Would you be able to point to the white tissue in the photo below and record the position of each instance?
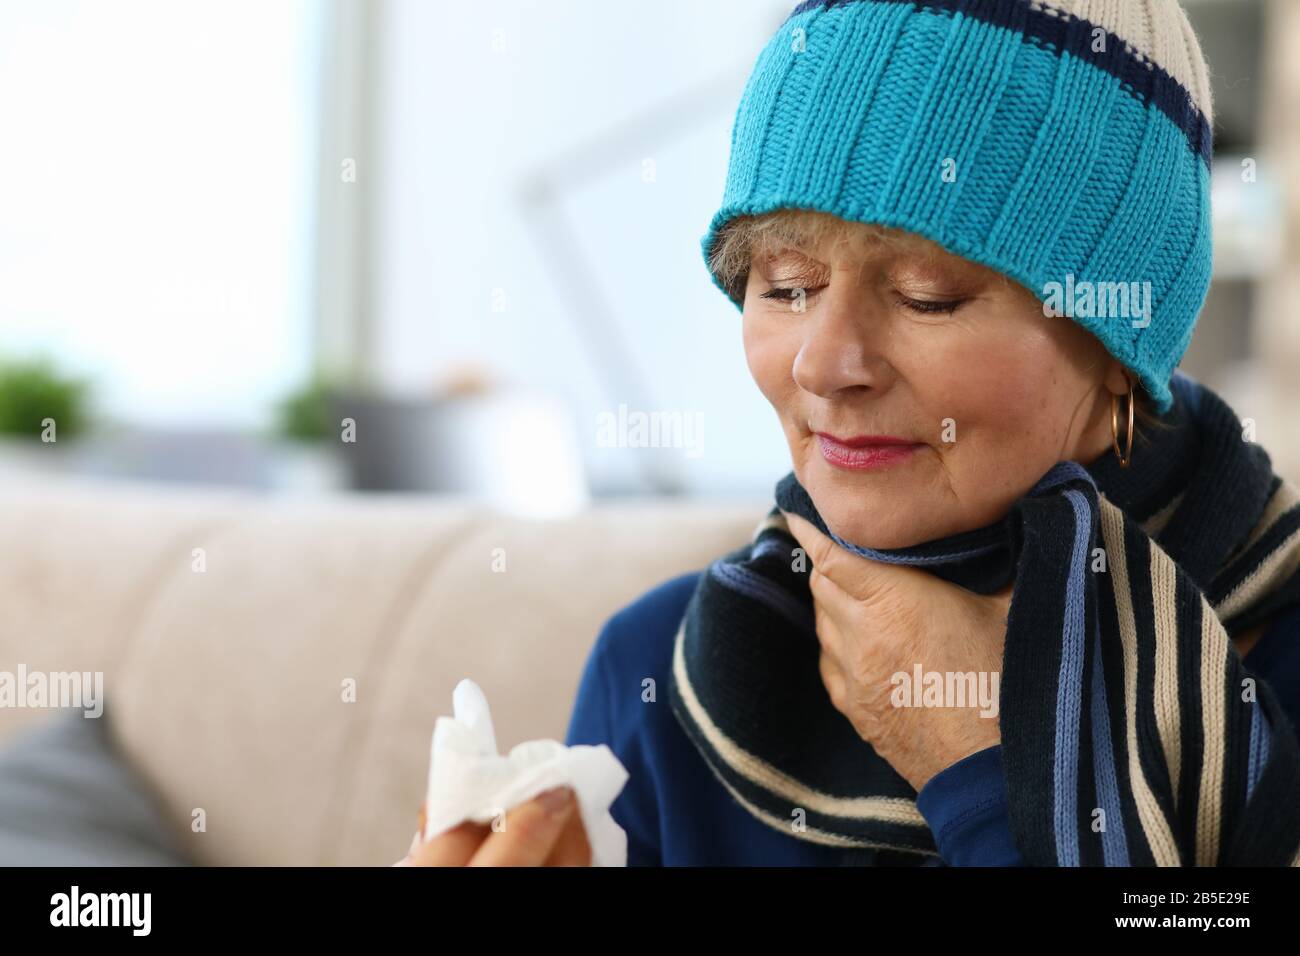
(469, 780)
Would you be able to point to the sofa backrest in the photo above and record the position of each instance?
(230, 628)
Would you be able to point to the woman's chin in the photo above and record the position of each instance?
(883, 524)
(870, 510)
(877, 537)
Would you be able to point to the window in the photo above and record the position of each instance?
(158, 178)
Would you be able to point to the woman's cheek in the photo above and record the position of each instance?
(770, 356)
(960, 386)
(987, 418)
(1009, 380)
(1009, 442)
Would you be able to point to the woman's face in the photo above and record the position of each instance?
(960, 391)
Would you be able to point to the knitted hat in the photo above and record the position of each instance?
(1066, 145)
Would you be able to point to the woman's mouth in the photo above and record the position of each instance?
(865, 452)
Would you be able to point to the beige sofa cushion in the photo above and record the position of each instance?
(225, 687)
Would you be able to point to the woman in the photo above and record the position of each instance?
(985, 623)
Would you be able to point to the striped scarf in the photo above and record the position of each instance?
(1132, 733)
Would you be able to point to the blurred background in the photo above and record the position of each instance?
(320, 246)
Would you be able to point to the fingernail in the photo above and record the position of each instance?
(556, 800)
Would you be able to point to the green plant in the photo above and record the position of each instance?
(32, 390)
(305, 414)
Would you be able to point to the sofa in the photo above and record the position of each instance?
(273, 666)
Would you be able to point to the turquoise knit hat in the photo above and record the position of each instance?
(1066, 145)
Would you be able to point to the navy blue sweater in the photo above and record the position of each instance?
(677, 813)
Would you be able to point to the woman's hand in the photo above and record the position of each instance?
(545, 831)
(876, 622)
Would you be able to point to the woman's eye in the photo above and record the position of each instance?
(927, 307)
(788, 294)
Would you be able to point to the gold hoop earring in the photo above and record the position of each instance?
(1127, 455)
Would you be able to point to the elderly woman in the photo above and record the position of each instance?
(1028, 596)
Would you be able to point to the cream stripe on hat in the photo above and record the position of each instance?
(1158, 30)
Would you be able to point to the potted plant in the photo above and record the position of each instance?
(305, 456)
(43, 413)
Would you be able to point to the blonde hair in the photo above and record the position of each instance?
(745, 237)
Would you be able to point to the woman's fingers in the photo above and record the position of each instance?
(828, 610)
(455, 847)
(573, 848)
(859, 578)
(531, 831)
(832, 679)
(545, 831)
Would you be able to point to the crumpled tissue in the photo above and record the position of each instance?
(470, 780)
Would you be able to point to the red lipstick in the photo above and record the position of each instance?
(864, 452)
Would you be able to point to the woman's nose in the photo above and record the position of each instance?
(843, 347)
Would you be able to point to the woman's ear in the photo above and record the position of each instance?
(1118, 379)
